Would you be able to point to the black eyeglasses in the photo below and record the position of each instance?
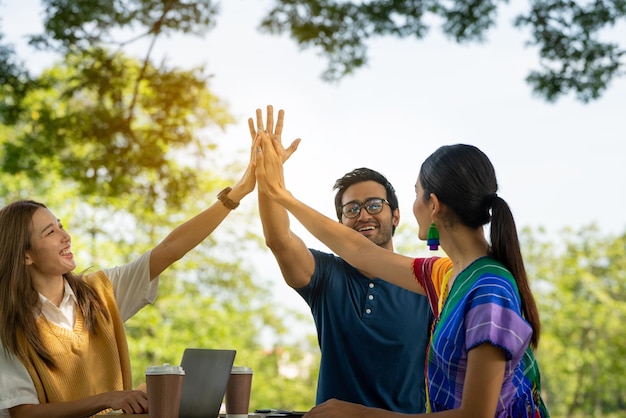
(372, 206)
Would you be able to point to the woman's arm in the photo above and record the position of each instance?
(129, 401)
(481, 390)
(191, 233)
(483, 381)
(353, 247)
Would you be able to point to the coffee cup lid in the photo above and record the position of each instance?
(241, 370)
(166, 368)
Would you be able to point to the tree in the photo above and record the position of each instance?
(574, 55)
(110, 123)
(118, 148)
(580, 287)
(212, 298)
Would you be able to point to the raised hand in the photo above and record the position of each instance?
(274, 132)
(248, 180)
(269, 165)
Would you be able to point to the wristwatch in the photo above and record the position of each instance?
(223, 197)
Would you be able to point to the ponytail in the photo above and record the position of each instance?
(505, 248)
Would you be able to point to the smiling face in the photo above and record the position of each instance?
(378, 228)
(50, 252)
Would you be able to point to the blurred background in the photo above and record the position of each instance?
(128, 117)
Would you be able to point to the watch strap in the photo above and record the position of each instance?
(223, 197)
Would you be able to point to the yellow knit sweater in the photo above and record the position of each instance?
(87, 363)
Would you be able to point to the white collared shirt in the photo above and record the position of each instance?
(133, 290)
(65, 314)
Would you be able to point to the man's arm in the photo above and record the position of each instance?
(356, 249)
(294, 258)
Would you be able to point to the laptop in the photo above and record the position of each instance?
(206, 375)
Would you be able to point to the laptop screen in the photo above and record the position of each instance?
(206, 375)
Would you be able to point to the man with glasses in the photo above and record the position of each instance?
(372, 334)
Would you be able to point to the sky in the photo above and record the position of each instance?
(558, 165)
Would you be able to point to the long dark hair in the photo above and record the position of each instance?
(464, 180)
(19, 301)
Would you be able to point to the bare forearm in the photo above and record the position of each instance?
(191, 233)
(346, 242)
(75, 409)
(52, 410)
(293, 256)
(353, 247)
(275, 220)
(188, 235)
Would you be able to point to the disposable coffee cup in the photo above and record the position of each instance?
(164, 384)
(238, 392)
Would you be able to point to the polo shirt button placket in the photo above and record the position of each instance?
(370, 297)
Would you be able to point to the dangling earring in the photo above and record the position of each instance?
(432, 239)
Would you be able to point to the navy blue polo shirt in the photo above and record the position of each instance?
(372, 335)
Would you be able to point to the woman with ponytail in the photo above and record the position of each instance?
(480, 360)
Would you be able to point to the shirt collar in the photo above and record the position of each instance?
(68, 296)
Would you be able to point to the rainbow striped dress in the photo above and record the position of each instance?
(483, 306)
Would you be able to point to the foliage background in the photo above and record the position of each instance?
(123, 147)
